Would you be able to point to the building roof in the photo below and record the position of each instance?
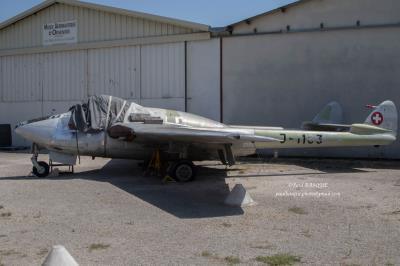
(125, 12)
(279, 9)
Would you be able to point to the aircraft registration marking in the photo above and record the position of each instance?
(303, 139)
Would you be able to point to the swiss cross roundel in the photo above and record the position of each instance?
(377, 118)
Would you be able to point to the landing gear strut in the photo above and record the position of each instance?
(39, 169)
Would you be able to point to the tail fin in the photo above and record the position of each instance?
(384, 116)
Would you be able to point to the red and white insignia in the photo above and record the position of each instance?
(377, 118)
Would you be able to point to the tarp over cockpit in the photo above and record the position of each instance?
(98, 113)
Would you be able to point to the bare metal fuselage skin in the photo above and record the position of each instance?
(55, 135)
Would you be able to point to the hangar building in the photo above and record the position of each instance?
(278, 68)
(61, 51)
(283, 66)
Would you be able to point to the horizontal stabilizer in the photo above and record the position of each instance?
(330, 118)
(364, 129)
(325, 127)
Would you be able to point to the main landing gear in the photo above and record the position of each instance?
(181, 170)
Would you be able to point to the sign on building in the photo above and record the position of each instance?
(60, 32)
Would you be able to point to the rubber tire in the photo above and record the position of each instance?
(177, 165)
(46, 169)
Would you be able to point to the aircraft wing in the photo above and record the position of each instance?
(167, 133)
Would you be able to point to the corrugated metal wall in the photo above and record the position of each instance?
(93, 25)
(64, 75)
(152, 75)
(132, 72)
(44, 82)
(21, 78)
(163, 71)
(43, 77)
(115, 71)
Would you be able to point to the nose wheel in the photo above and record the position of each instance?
(41, 170)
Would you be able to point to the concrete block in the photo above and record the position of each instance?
(239, 197)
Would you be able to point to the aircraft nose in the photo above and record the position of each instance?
(18, 129)
(37, 132)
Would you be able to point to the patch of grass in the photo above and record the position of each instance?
(226, 224)
(42, 252)
(279, 259)
(232, 260)
(98, 246)
(389, 264)
(228, 259)
(306, 233)
(393, 212)
(263, 246)
(8, 252)
(297, 210)
(206, 254)
(5, 214)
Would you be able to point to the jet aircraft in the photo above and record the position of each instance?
(107, 126)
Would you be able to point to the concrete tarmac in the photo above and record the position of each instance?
(317, 212)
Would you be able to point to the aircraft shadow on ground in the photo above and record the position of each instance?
(203, 198)
(199, 199)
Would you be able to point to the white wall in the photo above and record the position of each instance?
(284, 79)
(203, 77)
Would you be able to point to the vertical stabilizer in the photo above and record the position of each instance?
(384, 116)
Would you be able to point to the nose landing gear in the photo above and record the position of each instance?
(39, 169)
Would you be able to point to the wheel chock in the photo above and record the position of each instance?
(168, 179)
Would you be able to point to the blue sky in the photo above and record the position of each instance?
(214, 13)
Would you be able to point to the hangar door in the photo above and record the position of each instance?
(152, 75)
(40, 84)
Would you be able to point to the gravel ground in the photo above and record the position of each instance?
(107, 213)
